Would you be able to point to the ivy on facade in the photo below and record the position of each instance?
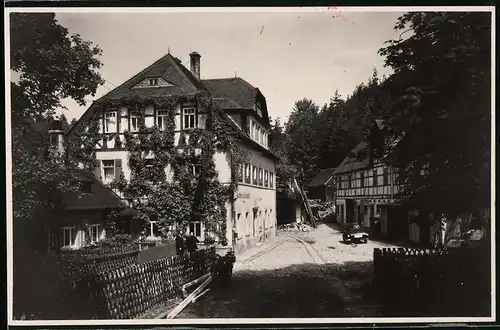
(172, 202)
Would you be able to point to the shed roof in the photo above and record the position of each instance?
(100, 197)
(321, 178)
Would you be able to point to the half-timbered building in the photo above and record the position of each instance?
(367, 191)
(252, 216)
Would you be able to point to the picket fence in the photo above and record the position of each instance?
(84, 265)
(130, 291)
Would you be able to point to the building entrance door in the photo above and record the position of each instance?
(349, 210)
(254, 222)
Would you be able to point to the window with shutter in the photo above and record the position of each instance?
(118, 168)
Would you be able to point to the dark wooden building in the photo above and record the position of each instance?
(322, 186)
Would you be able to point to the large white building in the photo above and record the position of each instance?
(253, 214)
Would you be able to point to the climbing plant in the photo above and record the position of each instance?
(162, 186)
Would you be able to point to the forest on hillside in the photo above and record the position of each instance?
(437, 103)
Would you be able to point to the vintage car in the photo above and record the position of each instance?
(354, 233)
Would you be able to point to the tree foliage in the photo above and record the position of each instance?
(322, 139)
(303, 145)
(441, 89)
(52, 65)
(278, 143)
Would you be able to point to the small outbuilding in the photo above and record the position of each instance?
(322, 186)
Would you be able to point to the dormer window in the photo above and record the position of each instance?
(258, 108)
(153, 82)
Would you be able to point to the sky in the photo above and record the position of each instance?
(287, 55)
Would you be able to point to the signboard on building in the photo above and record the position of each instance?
(245, 195)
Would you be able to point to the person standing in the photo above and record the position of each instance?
(192, 243)
(179, 243)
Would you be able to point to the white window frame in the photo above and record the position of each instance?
(189, 113)
(153, 81)
(72, 236)
(241, 173)
(271, 179)
(109, 117)
(266, 178)
(163, 114)
(194, 223)
(255, 176)
(97, 228)
(253, 128)
(247, 174)
(104, 166)
(135, 117)
(261, 177)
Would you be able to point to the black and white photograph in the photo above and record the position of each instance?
(250, 165)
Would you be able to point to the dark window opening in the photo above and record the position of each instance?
(86, 187)
(53, 140)
(386, 176)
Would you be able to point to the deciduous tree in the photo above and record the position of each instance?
(442, 85)
(52, 65)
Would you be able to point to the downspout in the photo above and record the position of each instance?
(232, 176)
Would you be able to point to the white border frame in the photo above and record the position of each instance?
(338, 10)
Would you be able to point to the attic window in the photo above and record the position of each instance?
(153, 82)
(258, 109)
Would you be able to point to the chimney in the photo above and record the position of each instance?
(56, 137)
(195, 64)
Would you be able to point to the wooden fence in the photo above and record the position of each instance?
(130, 291)
(82, 266)
(420, 282)
(90, 252)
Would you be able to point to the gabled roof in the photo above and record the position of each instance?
(236, 94)
(100, 197)
(237, 89)
(229, 93)
(357, 159)
(321, 178)
(226, 103)
(170, 69)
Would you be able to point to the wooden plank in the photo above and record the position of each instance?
(198, 280)
(189, 299)
(201, 294)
